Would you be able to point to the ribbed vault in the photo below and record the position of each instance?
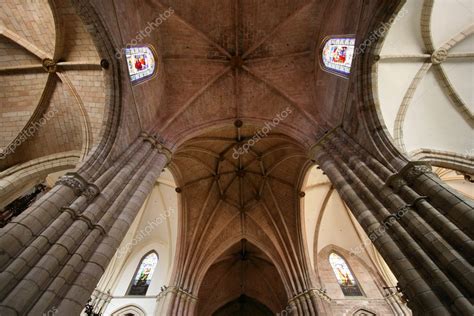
(244, 305)
(242, 275)
(246, 59)
(227, 198)
(49, 69)
(430, 116)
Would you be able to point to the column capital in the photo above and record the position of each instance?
(74, 181)
(157, 142)
(396, 182)
(176, 291)
(91, 192)
(413, 169)
(311, 292)
(321, 141)
(408, 174)
(79, 185)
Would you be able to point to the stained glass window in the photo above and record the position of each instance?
(344, 276)
(141, 63)
(337, 55)
(142, 277)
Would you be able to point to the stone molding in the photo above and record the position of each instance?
(320, 142)
(154, 141)
(91, 192)
(412, 170)
(311, 293)
(175, 290)
(396, 182)
(408, 174)
(463, 163)
(79, 185)
(80, 217)
(74, 181)
(49, 65)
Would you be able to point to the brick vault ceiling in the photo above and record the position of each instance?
(49, 67)
(247, 59)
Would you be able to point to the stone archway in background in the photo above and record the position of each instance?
(129, 311)
(242, 277)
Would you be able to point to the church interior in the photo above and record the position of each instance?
(236, 157)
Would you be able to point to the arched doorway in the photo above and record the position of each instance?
(243, 280)
(244, 305)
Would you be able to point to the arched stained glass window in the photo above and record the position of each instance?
(344, 276)
(141, 63)
(337, 55)
(143, 275)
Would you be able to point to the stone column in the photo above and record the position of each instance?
(309, 302)
(56, 251)
(422, 228)
(417, 179)
(100, 300)
(175, 301)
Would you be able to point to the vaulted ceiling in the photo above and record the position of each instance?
(52, 89)
(228, 197)
(227, 70)
(430, 112)
(246, 59)
(218, 61)
(240, 276)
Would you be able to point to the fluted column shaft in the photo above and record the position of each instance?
(456, 208)
(429, 251)
(70, 191)
(443, 258)
(307, 303)
(61, 261)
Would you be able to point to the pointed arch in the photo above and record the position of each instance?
(344, 275)
(247, 267)
(361, 311)
(129, 310)
(144, 273)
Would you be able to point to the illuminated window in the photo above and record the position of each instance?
(142, 277)
(344, 276)
(141, 63)
(337, 55)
